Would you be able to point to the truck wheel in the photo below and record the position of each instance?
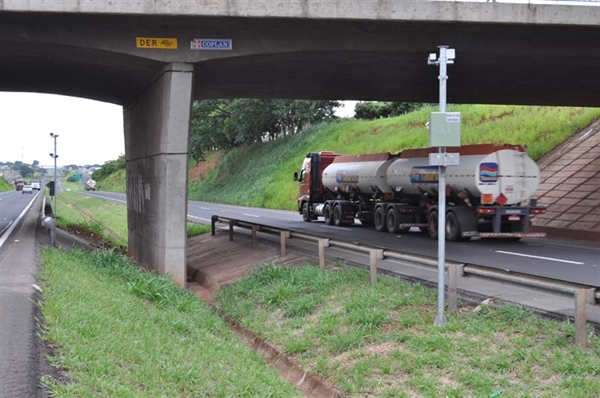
(392, 221)
(327, 214)
(452, 227)
(432, 225)
(337, 216)
(305, 213)
(380, 220)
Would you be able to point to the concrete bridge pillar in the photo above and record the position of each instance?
(157, 124)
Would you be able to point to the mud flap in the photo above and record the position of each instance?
(467, 219)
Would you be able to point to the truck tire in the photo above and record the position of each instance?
(432, 224)
(380, 220)
(327, 214)
(338, 221)
(306, 213)
(392, 221)
(453, 233)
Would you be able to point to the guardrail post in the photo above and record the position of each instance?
(580, 318)
(231, 230)
(254, 229)
(452, 296)
(283, 236)
(374, 256)
(323, 243)
(213, 221)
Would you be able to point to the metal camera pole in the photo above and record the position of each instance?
(446, 57)
(54, 155)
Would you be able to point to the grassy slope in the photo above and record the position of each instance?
(380, 340)
(114, 183)
(122, 332)
(5, 185)
(264, 177)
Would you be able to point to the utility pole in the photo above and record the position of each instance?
(444, 130)
(54, 155)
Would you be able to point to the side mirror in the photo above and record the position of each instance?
(295, 176)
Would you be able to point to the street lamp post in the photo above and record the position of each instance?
(54, 155)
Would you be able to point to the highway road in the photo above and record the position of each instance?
(564, 260)
(12, 205)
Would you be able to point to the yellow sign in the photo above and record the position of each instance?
(163, 43)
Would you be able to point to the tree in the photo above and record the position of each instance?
(35, 164)
(110, 167)
(25, 171)
(376, 110)
(224, 124)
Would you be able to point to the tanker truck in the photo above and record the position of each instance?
(90, 185)
(489, 195)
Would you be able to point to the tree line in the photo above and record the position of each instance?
(226, 123)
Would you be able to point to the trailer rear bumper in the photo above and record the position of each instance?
(512, 234)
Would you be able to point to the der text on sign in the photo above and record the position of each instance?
(163, 43)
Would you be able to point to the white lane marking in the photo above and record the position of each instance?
(250, 215)
(339, 228)
(14, 224)
(539, 257)
(204, 208)
(9, 223)
(199, 218)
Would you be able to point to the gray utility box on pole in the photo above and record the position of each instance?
(444, 129)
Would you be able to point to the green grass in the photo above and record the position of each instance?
(113, 183)
(264, 178)
(105, 217)
(121, 332)
(5, 185)
(380, 340)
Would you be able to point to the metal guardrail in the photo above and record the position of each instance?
(582, 294)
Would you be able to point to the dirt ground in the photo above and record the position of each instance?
(214, 261)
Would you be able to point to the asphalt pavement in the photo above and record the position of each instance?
(22, 352)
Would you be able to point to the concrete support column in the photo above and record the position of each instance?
(157, 126)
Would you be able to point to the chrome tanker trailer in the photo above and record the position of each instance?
(488, 195)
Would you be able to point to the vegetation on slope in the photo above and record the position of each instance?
(119, 331)
(5, 185)
(260, 175)
(380, 340)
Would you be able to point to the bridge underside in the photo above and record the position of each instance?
(277, 58)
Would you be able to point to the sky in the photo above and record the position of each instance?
(89, 132)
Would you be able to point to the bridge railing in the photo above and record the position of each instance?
(583, 294)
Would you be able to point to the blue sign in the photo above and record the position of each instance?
(488, 172)
(211, 44)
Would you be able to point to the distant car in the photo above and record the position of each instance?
(27, 189)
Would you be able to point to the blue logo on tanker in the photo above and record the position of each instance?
(346, 177)
(424, 175)
(488, 172)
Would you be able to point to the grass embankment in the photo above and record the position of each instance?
(261, 175)
(123, 332)
(116, 182)
(380, 341)
(5, 185)
(106, 218)
(119, 331)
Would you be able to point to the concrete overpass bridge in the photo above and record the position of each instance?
(154, 57)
